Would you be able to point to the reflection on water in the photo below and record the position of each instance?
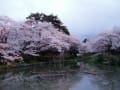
(41, 78)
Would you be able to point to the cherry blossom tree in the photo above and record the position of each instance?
(33, 38)
(105, 42)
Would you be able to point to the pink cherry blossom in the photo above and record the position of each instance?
(31, 37)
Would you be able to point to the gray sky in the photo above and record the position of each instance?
(82, 17)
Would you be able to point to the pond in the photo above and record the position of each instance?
(60, 77)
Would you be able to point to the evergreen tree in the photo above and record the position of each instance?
(57, 23)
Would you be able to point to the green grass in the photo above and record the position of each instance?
(101, 59)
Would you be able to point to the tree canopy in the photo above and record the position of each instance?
(57, 23)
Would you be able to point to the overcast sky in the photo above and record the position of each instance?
(82, 17)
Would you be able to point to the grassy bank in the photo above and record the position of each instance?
(101, 59)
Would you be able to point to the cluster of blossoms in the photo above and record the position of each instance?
(31, 37)
(104, 42)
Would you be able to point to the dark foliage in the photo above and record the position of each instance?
(85, 40)
(57, 23)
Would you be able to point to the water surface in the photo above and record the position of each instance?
(62, 78)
